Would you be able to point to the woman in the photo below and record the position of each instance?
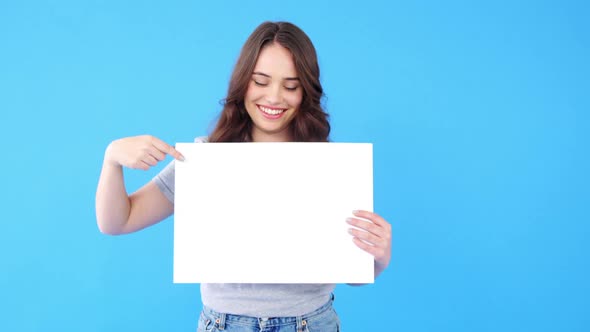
(273, 96)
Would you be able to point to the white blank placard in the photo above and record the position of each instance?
(271, 212)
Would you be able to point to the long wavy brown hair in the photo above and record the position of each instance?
(310, 123)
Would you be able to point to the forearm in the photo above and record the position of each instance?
(378, 269)
(112, 201)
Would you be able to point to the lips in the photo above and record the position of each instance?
(271, 112)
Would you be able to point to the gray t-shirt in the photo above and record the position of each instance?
(256, 300)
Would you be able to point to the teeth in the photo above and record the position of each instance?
(271, 111)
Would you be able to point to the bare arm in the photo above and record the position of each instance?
(118, 213)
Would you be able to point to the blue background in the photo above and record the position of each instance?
(478, 112)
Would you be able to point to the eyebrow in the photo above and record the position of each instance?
(266, 75)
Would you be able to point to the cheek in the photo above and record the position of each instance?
(294, 100)
(252, 94)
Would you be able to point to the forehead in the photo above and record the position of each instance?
(276, 61)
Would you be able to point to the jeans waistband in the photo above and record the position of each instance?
(220, 319)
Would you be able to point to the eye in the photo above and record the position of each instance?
(259, 83)
(291, 88)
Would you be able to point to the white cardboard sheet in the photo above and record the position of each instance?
(271, 212)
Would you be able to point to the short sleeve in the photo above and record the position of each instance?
(165, 179)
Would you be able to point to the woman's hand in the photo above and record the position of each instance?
(139, 152)
(372, 234)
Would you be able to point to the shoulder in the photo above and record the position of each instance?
(202, 139)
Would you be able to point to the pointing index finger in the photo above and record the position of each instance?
(168, 149)
(177, 155)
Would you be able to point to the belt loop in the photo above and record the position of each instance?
(299, 323)
(220, 322)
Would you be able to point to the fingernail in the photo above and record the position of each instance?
(356, 211)
(349, 220)
(181, 158)
(350, 231)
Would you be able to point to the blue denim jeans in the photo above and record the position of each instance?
(324, 319)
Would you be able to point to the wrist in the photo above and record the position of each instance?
(109, 159)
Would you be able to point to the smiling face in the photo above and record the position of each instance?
(274, 95)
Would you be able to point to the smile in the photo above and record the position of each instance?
(271, 113)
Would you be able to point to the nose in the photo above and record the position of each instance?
(274, 96)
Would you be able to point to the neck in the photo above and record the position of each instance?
(283, 136)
